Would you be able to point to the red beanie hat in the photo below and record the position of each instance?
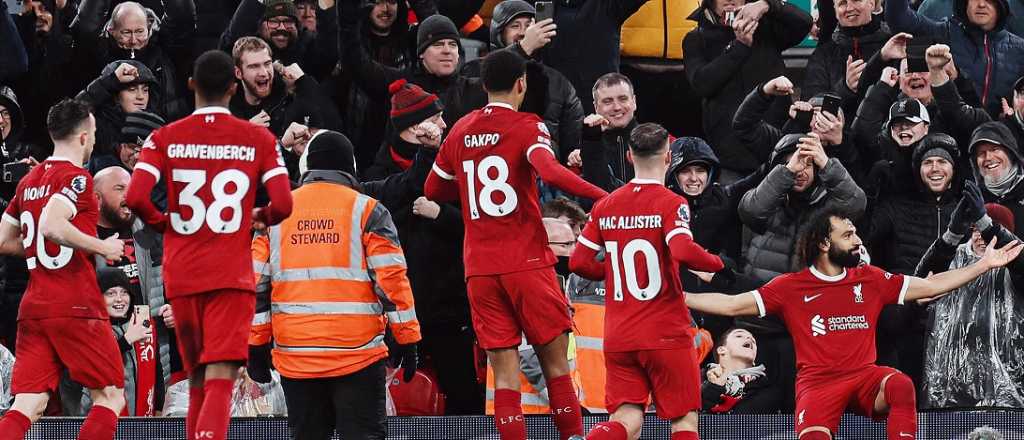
(1001, 214)
(410, 105)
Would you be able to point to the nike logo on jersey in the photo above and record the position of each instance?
(808, 299)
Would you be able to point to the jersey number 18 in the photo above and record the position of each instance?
(490, 185)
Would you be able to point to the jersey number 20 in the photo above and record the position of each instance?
(490, 185)
(222, 200)
(628, 257)
(50, 262)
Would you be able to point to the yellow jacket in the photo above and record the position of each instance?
(657, 29)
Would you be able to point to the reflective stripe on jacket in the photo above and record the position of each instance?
(326, 278)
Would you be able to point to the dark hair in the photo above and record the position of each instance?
(213, 73)
(648, 139)
(500, 70)
(816, 231)
(610, 79)
(720, 342)
(65, 117)
(562, 206)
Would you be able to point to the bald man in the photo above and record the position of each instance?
(111, 185)
(561, 240)
(129, 26)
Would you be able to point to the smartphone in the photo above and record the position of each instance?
(916, 61)
(830, 103)
(803, 118)
(730, 18)
(142, 314)
(14, 171)
(545, 10)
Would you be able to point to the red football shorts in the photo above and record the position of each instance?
(86, 347)
(822, 402)
(670, 375)
(213, 326)
(507, 305)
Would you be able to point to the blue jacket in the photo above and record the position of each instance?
(939, 9)
(993, 60)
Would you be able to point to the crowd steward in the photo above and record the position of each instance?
(909, 117)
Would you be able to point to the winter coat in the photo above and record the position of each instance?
(168, 53)
(604, 157)
(826, 70)
(966, 118)
(760, 396)
(654, 30)
(459, 94)
(940, 9)
(48, 81)
(588, 41)
(1014, 198)
(102, 95)
(315, 53)
(13, 57)
(904, 226)
(722, 70)
(993, 60)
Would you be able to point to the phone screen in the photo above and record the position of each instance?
(545, 10)
(803, 118)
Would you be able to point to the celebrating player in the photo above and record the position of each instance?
(831, 309)
(644, 229)
(62, 322)
(212, 163)
(489, 160)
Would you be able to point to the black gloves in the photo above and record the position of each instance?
(969, 210)
(403, 356)
(259, 363)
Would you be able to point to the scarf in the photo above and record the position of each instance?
(1004, 186)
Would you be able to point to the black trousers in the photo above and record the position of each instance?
(354, 405)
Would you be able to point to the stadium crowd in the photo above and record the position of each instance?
(909, 115)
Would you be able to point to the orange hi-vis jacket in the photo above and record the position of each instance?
(327, 278)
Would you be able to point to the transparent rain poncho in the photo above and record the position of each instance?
(975, 349)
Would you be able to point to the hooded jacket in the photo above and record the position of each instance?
(316, 53)
(722, 70)
(562, 110)
(48, 80)
(999, 133)
(102, 95)
(993, 59)
(168, 53)
(826, 70)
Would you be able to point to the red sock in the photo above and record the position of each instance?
(899, 394)
(195, 405)
(213, 419)
(508, 415)
(685, 435)
(100, 424)
(608, 431)
(14, 425)
(565, 407)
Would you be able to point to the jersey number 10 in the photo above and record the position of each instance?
(628, 257)
(490, 185)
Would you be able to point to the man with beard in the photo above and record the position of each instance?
(997, 161)
(164, 46)
(831, 308)
(110, 186)
(278, 23)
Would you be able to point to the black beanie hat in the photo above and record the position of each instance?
(108, 277)
(433, 28)
(138, 126)
(281, 8)
(330, 150)
(411, 105)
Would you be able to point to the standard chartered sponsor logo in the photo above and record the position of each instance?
(821, 326)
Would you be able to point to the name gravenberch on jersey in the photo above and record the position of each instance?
(213, 152)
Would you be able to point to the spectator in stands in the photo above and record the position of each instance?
(306, 10)
(248, 399)
(837, 63)
(606, 134)
(436, 70)
(561, 240)
(133, 332)
(587, 45)
(940, 9)
(13, 57)
(164, 46)
(985, 51)
(801, 180)
(6, 369)
(49, 47)
(388, 39)
(725, 60)
(276, 96)
(996, 161)
(123, 87)
(891, 145)
(12, 148)
(567, 211)
(974, 355)
(134, 130)
(734, 385)
(513, 26)
(110, 185)
(277, 22)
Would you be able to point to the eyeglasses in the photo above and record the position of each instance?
(138, 33)
(284, 22)
(5, 114)
(562, 243)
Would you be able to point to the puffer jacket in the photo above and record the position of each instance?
(722, 70)
(902, 227)
(773, 212)
(652, 31)
(168, 54)
(993, 60)
(102, 95)
(826, 70)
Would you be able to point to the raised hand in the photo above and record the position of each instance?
(854, 69)
(778, 86)
(1001, 257)
(896, 47)
(969, 209)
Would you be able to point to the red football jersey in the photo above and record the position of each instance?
(212, 163)
(487, 152)
(645, 304)
(833, 320)
(62, 280)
